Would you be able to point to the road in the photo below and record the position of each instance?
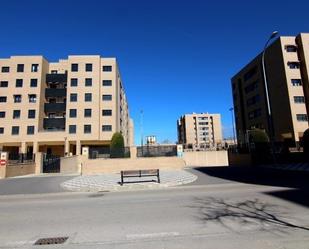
(222, 215)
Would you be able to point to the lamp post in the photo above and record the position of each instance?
(141, 120)
(231, 110)
(269, 114)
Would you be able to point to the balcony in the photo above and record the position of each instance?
(56, 78)
(55, 92)
(54, 124)
(54, 107)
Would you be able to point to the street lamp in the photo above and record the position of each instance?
(270, 124)
(231, 110)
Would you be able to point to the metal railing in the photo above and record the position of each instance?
(107, 152)
(157, 151)
(20, 158)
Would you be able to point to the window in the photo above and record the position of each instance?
(87, 113)
(87, 128)
(107, 97)
(107, 112)
(72, 129)
(88, 82)
(253, 100)
(34, 67)
(299, 99)
(33, 82)
(4, 84)
(74, 67)
(1, 130)
(88, 97)
(291, 48)
(2, 114)
(296, 82)
(5, 69)
(203, 123)
(31, 113)
(106, 128)
(302, 117)
(54, 71)
(15, 130)
(74, 82)
(32, 98)
(106, 82)
(73, 113)
(16, 114)
(88, 67)
(107, 68)
(19, 83)
(73, 97)
(202, 118)
(294, 65)
(2, 99)
(20, 68)
(254, 114)
(251, 87)
(248, 75)
(17, 98)
(30, 130)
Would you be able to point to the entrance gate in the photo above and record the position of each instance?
(51, 163)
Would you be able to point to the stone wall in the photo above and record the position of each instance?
(19, 170)
(206, 158)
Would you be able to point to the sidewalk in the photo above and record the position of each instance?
(289, 166)
(110, 182)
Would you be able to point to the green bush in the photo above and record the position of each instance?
(117, 146)
(258, 136)
(306, 143)
(117, 141)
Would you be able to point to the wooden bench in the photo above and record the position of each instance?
(139, 173)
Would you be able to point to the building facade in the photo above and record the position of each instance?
(287, 67)
(59, 107)
(196, 131)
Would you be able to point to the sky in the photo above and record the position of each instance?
(175, 57)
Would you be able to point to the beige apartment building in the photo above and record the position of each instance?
(287, 67)
(59, 107)
(196, 131)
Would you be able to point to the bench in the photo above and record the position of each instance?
(139, 173)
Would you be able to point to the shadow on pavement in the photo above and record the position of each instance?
(241, 214)
(298, 181)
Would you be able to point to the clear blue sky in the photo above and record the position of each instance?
(175, 57)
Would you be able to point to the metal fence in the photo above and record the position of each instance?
(20, 158)
(156, 151)
(107, 152)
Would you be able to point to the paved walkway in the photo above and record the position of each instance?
(289, 166)
(110, 182)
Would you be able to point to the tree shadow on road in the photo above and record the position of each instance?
(297, 181)
(243, 213)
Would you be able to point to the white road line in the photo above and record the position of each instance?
(151, 235)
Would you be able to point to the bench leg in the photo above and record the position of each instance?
(121, 178)
(158, 175)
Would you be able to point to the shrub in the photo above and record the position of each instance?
(117, 146)
(258, 136)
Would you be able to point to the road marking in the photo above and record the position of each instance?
(151, 235)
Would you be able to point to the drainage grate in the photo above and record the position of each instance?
(51, 241)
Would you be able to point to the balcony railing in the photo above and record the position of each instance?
(55, 92)
(54, 123)
(54, 107)
(56, 78)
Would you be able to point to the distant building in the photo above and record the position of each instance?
(151, 140)
(287, 71)
(196, 131)
(59, 107)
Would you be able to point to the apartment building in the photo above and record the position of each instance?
(196, 131)
(287, 67)
(59, 107)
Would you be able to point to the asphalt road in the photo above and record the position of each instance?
(32, 185)
(227, 215)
